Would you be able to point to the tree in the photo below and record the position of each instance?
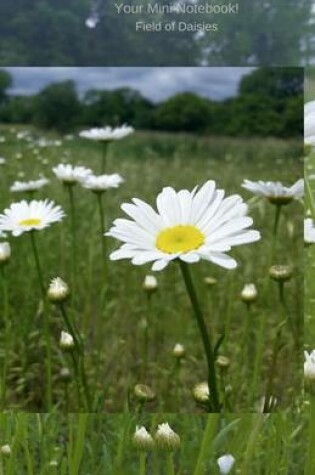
(5, 83)
(122, 105)
(57, 107)
(184, 111)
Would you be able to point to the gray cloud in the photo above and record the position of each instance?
(154, 83)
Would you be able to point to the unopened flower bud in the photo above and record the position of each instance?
(179, 351)
(281, 273)
(5, 253)
(142, 440)
(309, 365)
(166, 438)
(226, 463)
(201, 392)
(223, 362)
(58, 290)
(144, 393)
(210, 281)
(5, 450)
(150, 283)
(249, 293)
(66, 341)
(65, 374)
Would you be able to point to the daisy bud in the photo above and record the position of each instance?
(142, 440)
(53, 463)
(166, 438)
(65, 375)
(280, 273)
(210, 281)
(226, 463)
(58, 291)
(201, 392)
(309, 365)
(150, 284)
(179, 351)
(5, 450)
(249, 293)
(66, 341)
(223, 362)
(5, 253)
(144, 393)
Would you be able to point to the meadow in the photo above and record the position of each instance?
(90, 444)
(128, 334)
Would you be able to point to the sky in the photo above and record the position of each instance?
(156, 84)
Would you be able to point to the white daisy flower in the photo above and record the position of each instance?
(309, 365)
(226, 463)
(71, 175)
(188, 225)
(309, 231)
(275, 191)
(2, 161)
(32, 185)
(107, 134)
(30, 216)
(102, 182)
(309, 123)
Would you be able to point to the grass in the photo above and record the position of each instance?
(93, 444)
(114, 324)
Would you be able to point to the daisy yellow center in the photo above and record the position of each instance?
(30, 222)
(179, 239)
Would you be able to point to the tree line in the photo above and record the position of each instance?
(269, 103)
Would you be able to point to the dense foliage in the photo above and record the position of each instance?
(269, 103)
(53, 32)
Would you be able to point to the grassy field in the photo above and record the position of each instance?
(114, 328)
(103, 444)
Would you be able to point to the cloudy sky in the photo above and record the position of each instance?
(154, 83)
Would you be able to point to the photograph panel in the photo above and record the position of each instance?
(151, 239)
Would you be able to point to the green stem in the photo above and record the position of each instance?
(170, 463)
(48, 362)
(77, 375)
(248, 340)
(104, 157)
(275, 232)
(74, 235)
(146, 338)
(214, 404)
(310, 460)
(257, 421)
(275, 353)
(142, 462)
(206, 444)
(100, 200)
(6, 336)
(78, 357)
(38, 266)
